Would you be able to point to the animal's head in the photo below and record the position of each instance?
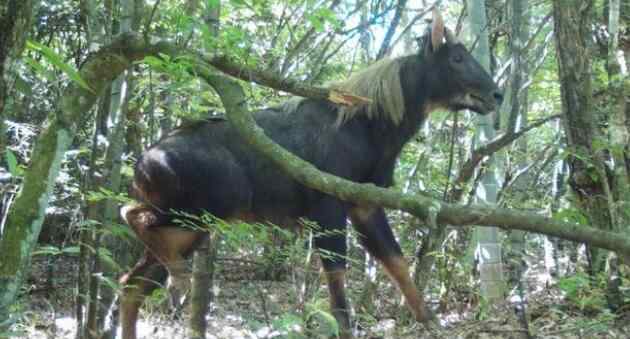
(462, 81)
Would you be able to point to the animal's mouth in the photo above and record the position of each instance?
(474, 102)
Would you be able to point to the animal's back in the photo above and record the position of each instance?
(207, 166)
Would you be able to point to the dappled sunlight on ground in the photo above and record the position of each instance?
(254, 309)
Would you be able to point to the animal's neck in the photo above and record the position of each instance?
(416, 93)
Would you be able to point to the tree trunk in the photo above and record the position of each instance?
(619, 137)
(15, 22)
(588, 174)
(556, 246)
(204, 262)
(119, 106)
(16, 239)
(24, 220)
(517, 118)
(204, 257)
(487, 238)
(619, 124)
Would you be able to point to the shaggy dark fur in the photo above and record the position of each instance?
(207, 167)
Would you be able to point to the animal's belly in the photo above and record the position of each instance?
(282, 206)
(268, 217)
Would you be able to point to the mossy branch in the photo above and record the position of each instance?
(233, 99)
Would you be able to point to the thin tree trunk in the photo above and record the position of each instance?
(15, 22)
(87, 293)
(619, 87)
(487, 238)
(205, 256)
(120, 100)
(367, 264)
(558, 190)
(99, 33)
(203, 279)
(91, 236)
(619, 136)
(385, 46)
(133, 134)
(516, 120)
(108, 209)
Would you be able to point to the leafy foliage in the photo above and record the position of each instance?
(315, 42)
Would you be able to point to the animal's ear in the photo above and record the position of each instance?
(437, 30)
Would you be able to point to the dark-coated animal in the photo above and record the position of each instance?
(207, 167)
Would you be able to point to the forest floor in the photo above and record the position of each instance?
(255, 309)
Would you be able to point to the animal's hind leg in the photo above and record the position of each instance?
(147, 275)
(169, 244)
(377, 237)
(172, 245)
(331, 243)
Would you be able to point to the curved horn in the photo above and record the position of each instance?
(437, 30)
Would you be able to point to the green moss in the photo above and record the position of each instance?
(25, 219)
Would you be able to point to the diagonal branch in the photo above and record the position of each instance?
(233, 99)
(133, 47)
(298, 47)
(468, 168)
(384, 50)
(272, 80)
(411, 24)
(24, 220)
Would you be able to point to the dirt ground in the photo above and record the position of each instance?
(255, 309)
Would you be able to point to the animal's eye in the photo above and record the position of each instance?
(458, 58)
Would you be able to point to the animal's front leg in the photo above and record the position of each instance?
(336, 279)
(147, 275)
(330, 240)
(377, 237)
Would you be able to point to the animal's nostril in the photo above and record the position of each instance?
(498, 97)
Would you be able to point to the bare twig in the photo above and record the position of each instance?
(410, 25)
(147, 26)
(468, 168)
(263, 304)
(385, 46)
(451, 155)
(272, 80)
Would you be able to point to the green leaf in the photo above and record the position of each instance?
(121, 231)
(56, 60)
(106, 256)
(71, 250)
(37, 67)
(212, 4)
(47, 250)
(111, 283)
(23, 86)
(105, 194)
(287, 322)
(316, 311)
(12, 163)
(316, 21)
